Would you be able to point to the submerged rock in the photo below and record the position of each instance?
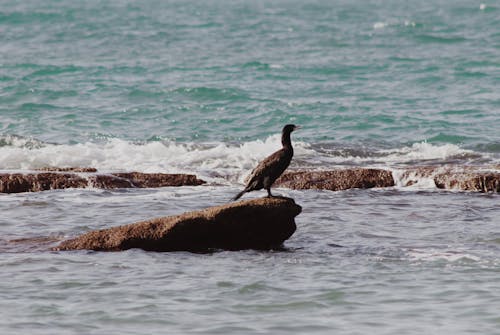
(263, 223)
(43, 181)
(335, 180)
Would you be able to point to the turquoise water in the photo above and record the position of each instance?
(205, 87)
(374, 71)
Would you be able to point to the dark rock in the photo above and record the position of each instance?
(263, 223)
(42, 181)
(466, 181)
(139, 179)
(335, 180)
(35, 182)
(452, 177)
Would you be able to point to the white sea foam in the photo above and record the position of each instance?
(451, 256)
(380, 25)
(416, 153)
(413, 180)
(424, 151)
(409, 23)
(393, 23)
(220, 162)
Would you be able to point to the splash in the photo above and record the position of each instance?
(425, 151)
(215, 162)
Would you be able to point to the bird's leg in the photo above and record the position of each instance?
(269, 195)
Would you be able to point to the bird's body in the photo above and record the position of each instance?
(268, 170)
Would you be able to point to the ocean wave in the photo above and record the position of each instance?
(216, 160)
(221, 162)
(15, 141)
(416, 154)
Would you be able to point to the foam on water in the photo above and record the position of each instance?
(207, 160)
(415, 154)
(413, 180)
(220, 162)
(451, 256)
(424, 151)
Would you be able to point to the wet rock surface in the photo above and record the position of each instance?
(479, 182)
(463, 178)
(43, 181)
(36, 182)
(466, 178)
(263, 223)
(139, 179)
(335, 180)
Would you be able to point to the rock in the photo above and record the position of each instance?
(452, 177)
(42, 181)
(35, 182)
(108, 182)
(263, 223)
(466, 181)
(465, 178)
(335, 180)
(139, 179)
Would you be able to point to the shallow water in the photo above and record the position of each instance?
(205, 88)
(383, 261)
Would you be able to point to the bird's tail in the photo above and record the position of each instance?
(239, 195)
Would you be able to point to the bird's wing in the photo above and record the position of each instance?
(266, 167)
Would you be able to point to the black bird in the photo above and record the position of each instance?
(264, 175)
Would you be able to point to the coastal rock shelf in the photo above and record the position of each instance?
(336, 180)
(43, 181)
(263, 223)
(465, 178)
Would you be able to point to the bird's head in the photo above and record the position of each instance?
(289, 128)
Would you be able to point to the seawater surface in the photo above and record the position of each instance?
(205, 87)
(383, 261)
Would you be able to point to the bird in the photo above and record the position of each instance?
(268, 170)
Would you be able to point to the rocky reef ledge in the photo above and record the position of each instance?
(37, 181)
(450, 177)
(336, 180)
(263, 223)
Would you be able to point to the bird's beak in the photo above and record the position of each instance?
(297, 127)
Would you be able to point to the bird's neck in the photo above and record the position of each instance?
(286, 142)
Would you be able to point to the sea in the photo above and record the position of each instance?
(205, 87)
